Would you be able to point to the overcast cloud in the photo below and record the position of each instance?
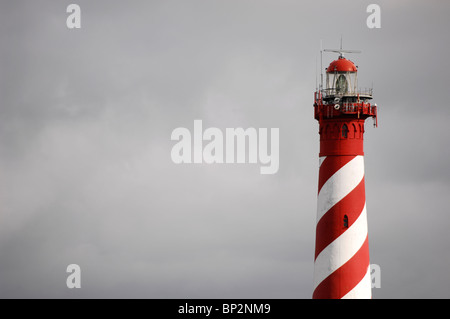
(86, 117)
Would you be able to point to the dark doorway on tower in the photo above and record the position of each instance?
(344, 131)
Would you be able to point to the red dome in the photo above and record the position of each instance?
(341, 65)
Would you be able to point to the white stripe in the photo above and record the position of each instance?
(321, 159)
(340, 185)
(363, 290)
(341, 249)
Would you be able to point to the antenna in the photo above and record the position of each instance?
(321, 68)
(317, 84)
(341, 51)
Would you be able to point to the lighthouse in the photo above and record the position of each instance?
(341, 261)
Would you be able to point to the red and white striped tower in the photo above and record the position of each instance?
(341, 263)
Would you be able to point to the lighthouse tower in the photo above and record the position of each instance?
(341, 262)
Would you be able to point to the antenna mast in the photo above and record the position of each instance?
(341, 51)
(321, 68)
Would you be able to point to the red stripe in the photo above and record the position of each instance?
(331, 225)
(344, 279)
(330, 165)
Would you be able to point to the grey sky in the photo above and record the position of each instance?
(85, 122)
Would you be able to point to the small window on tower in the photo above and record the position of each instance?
(344, 131)
(345, 221)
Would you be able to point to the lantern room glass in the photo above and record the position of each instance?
(344, 83)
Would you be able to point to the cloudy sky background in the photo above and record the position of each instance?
(85, 122)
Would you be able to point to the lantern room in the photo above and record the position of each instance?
(341, 78)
